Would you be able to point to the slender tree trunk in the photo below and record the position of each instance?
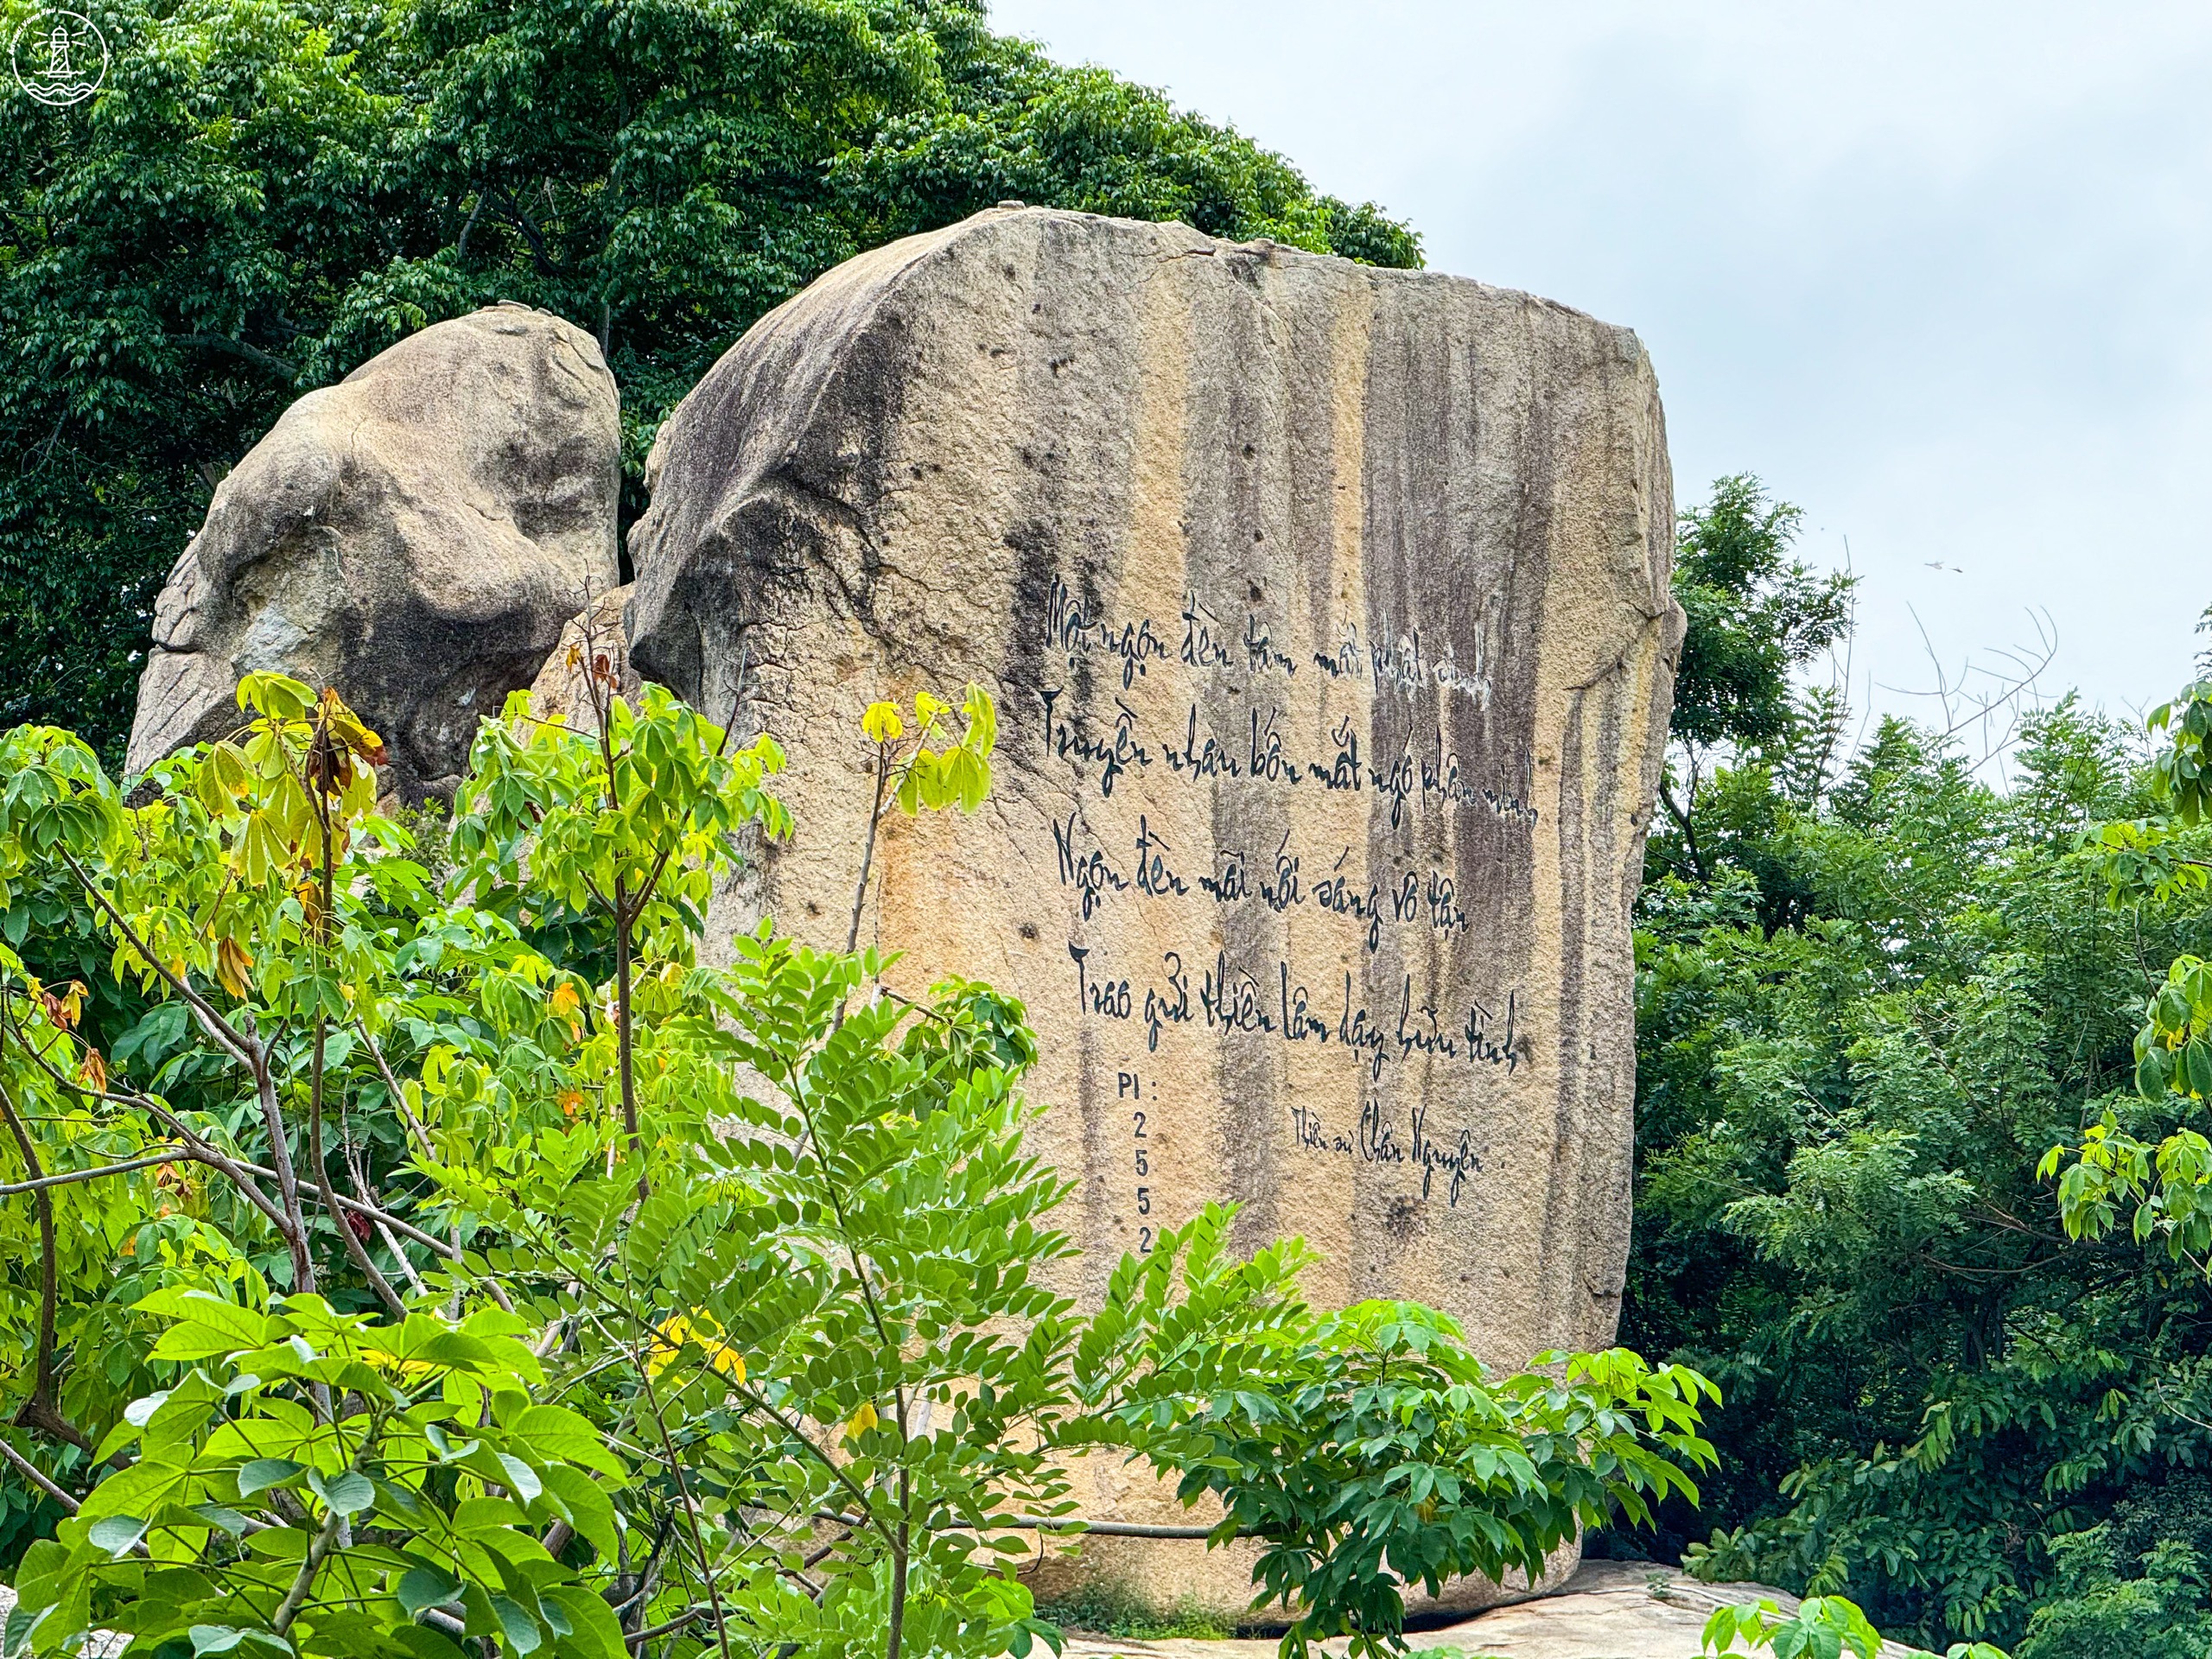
(867, 848)
(900, 1554)
(356, 1251)
(1682, 817)
(625, 1066)
(280, 1156)
(41, 1411)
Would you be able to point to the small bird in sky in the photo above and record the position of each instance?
(1938, 564)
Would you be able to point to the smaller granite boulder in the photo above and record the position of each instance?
(594, 646)
(416, 536)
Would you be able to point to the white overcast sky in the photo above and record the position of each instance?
(1938, 272)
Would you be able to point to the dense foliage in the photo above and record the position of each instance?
(268, 192)
(398, 1260)
(1876, 987)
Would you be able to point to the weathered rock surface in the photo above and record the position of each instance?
(416, 535)
(591, 660)
(1327, 613)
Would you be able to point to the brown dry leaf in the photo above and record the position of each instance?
(232, 967)
(65, 1009)
(309, 893)
(93, 1071)
(351, 730)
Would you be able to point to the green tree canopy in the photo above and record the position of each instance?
(268, 192)
(1755, 618)
(1884, 985)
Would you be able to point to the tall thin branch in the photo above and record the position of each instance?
(398, 1095)
(41, 1411)
(249, 1049)
(356, 1251)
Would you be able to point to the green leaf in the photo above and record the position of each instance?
(228, 1519)
(222, 1638)
(116, 1534)
(593, 1628)
(265, 1472)
(555, 1432)
(591, 1512)
(426, 1587)
(522, 1479)
(522, 1631)
(349, 1492)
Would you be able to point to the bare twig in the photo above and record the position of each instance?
(868, 846)
(690, 1508)
(366, 1193)
(71, 1177)
(38, 1478)
(398, 1095)
(248, 1047)
(356, 1251)
(1997, 707)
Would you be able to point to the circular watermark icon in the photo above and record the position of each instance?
(59, 57)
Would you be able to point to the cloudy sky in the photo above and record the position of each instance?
(1936, 271)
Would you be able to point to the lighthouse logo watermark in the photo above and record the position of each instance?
(59, 57)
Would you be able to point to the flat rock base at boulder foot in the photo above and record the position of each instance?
(1608, 1610)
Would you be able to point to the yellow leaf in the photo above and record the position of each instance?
(230, 769)
(982, 714)
(667, 1342)
(390, 1363)
(564, 1001)
(695, 1327)
(862, 1421)
(911, 786)
(351, 729)
(257, 850)
(881, 722)
(571, 1101)
(208, 785)
(927, 708)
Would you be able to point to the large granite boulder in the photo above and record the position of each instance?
(1327, 612)
(416, 535)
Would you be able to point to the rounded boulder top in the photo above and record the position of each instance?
(416, 535)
